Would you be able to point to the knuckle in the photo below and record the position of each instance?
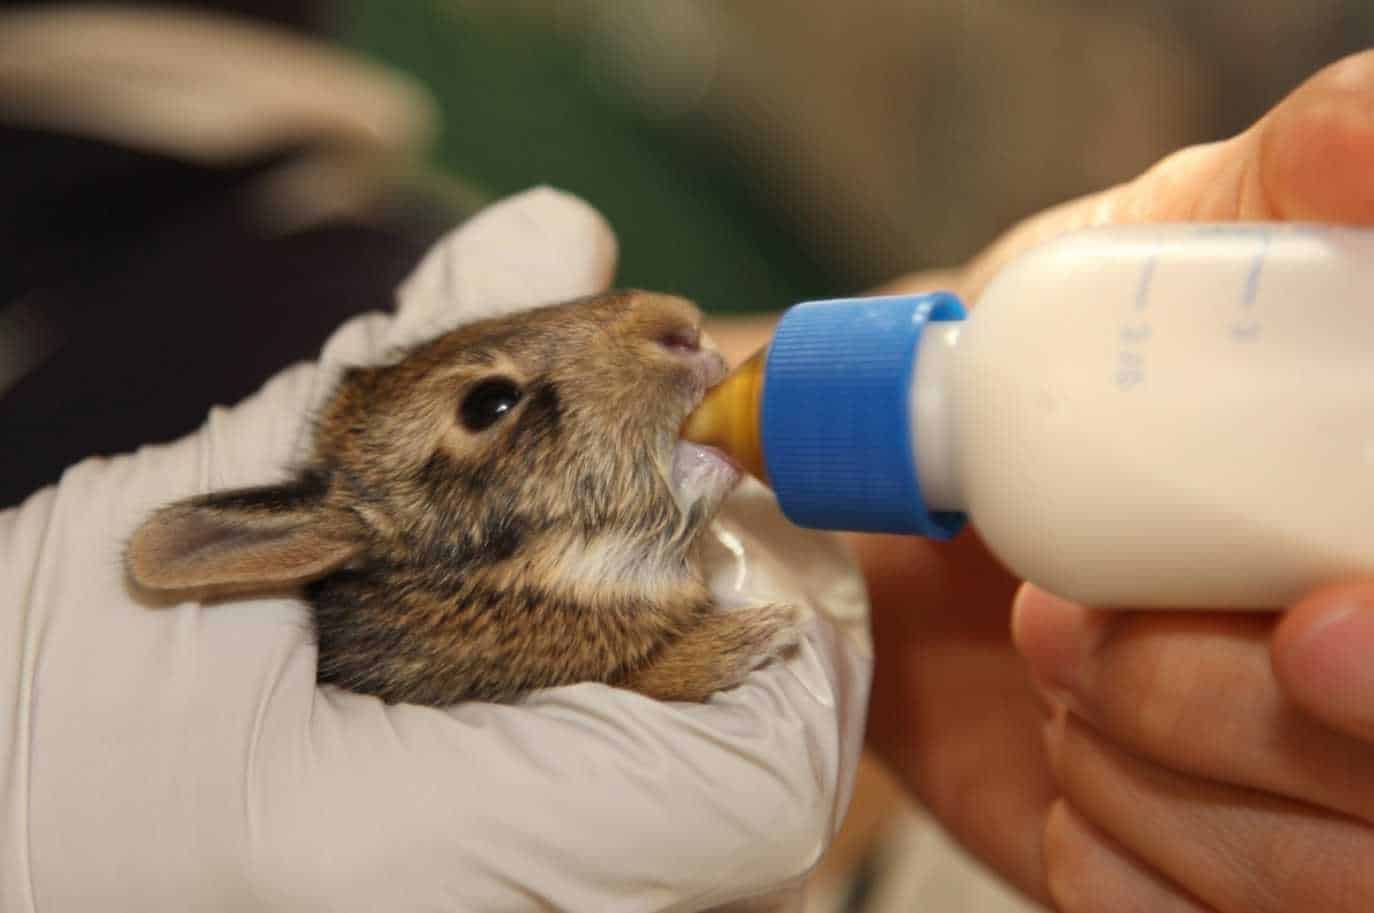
(1067, 859)
(1078, 762)
(1156, 695)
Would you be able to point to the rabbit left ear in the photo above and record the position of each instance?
(245, 539)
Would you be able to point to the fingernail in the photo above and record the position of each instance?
(1333, 655)
(1057, 638)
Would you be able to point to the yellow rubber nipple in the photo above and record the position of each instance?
(728, 417)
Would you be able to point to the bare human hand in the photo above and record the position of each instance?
(1192, 776)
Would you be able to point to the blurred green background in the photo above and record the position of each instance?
(753, 154)
(522, 103)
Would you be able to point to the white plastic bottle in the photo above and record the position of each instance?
(1166, 416)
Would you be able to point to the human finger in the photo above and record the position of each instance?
(1307, 159)
(533, 248)
(1193, 692)
(1089, 873)
(1323, 656)
(1236, 850)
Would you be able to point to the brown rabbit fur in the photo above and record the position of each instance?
(495, 513)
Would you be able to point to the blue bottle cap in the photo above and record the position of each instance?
(835, 414)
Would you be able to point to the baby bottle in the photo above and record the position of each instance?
(1149, 416)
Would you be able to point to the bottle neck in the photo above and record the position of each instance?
(932, 419)
(836, 413)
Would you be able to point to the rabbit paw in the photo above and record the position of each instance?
(720, 652)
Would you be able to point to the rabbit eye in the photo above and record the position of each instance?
(487, 402)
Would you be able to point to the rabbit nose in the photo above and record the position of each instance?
(686, 340)
(674, 323)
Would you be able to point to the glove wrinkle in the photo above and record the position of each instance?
(25, 533)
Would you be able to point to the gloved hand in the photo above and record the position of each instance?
(183, 757)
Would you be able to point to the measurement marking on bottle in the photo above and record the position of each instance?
(1147, 275)
(1246, 327)
(1134, 331)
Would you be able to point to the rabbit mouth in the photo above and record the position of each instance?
(702, 476)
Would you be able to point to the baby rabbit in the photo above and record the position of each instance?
(506, 508)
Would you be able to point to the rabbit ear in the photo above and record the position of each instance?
(245, 539)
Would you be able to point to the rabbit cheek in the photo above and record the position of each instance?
(613, 564)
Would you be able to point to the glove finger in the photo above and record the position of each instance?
(538, 247)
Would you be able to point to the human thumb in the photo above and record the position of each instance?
(1308, 159)
(1323, 655)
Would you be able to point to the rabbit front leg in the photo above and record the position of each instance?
(718, 653)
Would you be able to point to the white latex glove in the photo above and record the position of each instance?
(168, 759)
